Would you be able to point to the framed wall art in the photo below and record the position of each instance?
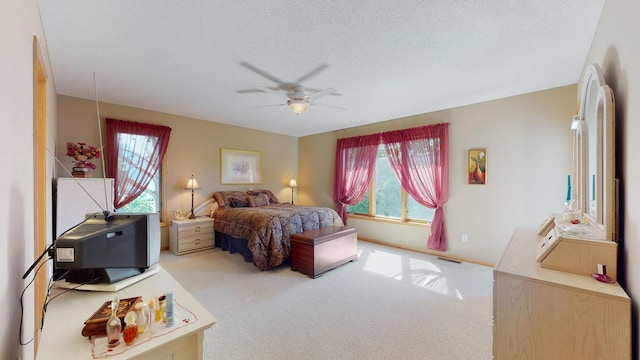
(240, 167)
(477, 172)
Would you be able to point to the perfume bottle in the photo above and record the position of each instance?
(113, 325)
(143, 317)
(161, 315)
(130, 332)
(153, 303)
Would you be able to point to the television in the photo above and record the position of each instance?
(107, 248)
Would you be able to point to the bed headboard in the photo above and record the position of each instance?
(225, 198)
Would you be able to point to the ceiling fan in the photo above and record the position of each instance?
(297, 98)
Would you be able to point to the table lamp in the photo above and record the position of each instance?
(292, 184)
(192, 184)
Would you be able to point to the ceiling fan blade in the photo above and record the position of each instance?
(327, 105)
(312, 73)
(250, 91)
(262, 106)
(320, 93)
(262, 73)
(270, 90)
(265, 89)
(313, 90)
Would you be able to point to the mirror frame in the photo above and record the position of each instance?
(594, 163)
(606, 196)
(587, 199)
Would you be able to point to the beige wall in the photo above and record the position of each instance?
(194, 148)
(615, 48)
(528, 143)
(19, 22)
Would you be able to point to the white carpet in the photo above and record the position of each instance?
(390, 304)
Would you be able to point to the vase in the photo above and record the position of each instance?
(80, 172)
(477, 174)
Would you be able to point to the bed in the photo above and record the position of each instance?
(255, 224)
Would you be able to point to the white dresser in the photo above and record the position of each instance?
(75, 198)
(191, 235)
(541, 313)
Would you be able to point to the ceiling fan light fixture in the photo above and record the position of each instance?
(298, 106)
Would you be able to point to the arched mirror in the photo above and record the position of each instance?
(594, 167)
(593, 80)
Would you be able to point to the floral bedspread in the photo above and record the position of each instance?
(268, 229)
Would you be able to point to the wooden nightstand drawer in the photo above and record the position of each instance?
(193, 243)
(196, 229)
(191, 235)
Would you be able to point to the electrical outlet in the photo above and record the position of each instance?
(465, 238)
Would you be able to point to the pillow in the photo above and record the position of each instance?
(239, 202)
(260, 200)
(272, 198)
(223, 198)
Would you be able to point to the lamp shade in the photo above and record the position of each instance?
(192, 183)
(298, 106)
(293, 183)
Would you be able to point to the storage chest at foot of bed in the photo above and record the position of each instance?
(315, 251)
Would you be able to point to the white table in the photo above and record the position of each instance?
(61, 335)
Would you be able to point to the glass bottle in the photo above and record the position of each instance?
(143, 317)
(160, 313)
(153, 304)
(113, 325)
(130, 332)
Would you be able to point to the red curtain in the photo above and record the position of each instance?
(355, 162)
(134, 154)
(420, 160)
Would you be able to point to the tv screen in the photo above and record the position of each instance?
(107, 248)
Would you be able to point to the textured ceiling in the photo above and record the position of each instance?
(387, 59)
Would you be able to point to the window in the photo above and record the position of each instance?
(390, 199)
(149, 201)
(134, 158)
(420, 159)
(135, 147)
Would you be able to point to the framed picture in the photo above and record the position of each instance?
(477, 171)
(239, 167)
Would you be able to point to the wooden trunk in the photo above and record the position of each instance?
(315, 251)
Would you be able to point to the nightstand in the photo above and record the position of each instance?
(187, 236)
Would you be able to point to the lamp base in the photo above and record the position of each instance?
(192, 215)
